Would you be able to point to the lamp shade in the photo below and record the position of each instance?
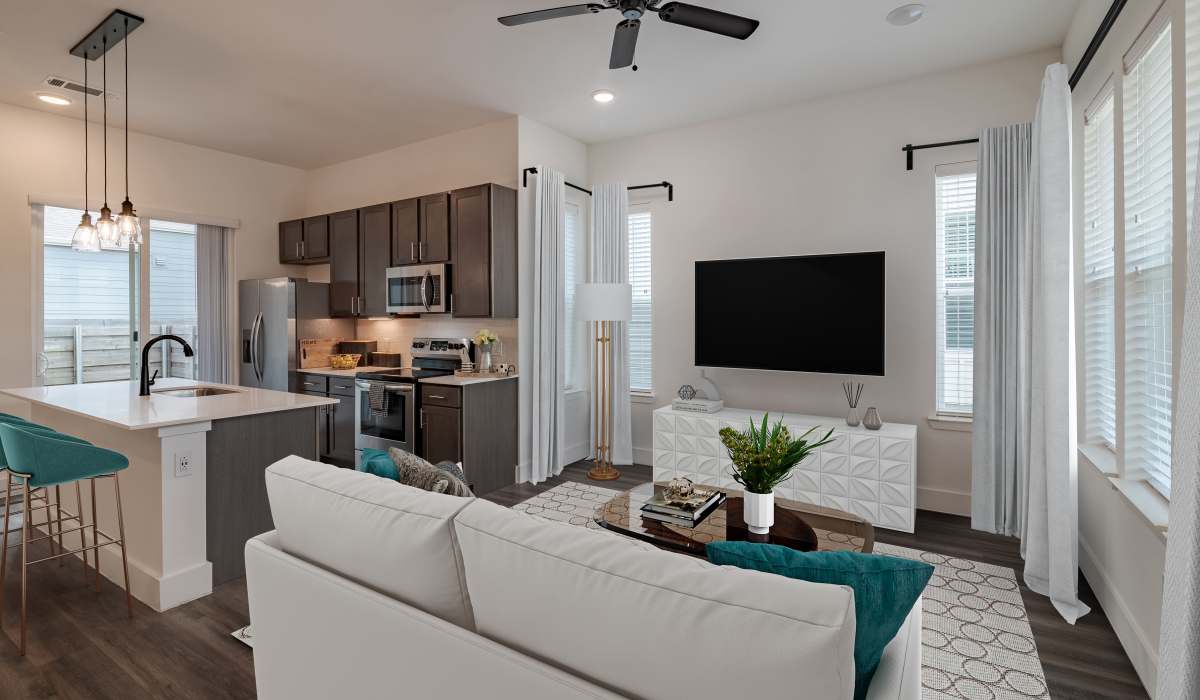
(604, 302)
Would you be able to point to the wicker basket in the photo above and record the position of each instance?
(344, 361)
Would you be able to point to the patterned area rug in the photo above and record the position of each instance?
(976, 640)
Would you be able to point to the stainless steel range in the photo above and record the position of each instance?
(387, 403)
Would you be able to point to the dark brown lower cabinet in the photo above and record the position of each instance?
(476, 425)
(335, 434)
(441, 434)
(341, 431)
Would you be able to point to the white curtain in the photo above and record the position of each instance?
(547, 325)
(1050, 540)
(214, 300)
(610, 263)
(1001, 412)
(1179, 671)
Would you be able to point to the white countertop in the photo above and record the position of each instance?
(117, 403)
(451, 380)
(331, 372)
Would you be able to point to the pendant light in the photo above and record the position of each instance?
(85, 238)
(128, 224)
(106, 226)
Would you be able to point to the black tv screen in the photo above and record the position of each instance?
(813, 313)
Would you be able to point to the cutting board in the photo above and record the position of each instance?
(315, 352)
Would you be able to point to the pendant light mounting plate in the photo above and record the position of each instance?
(93, 46)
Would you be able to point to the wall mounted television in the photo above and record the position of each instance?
(812, 313)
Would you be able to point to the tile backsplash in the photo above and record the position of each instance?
(396, 334)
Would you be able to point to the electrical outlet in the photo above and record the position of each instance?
(183, 463)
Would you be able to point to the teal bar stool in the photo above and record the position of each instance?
(42, 458)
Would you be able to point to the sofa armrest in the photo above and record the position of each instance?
(899, 674)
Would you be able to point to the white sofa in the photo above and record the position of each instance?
(370, 589)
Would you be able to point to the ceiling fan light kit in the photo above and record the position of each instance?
(626, 34)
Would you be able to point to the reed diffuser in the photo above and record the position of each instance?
(853, 392)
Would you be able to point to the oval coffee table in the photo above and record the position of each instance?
(797, 525)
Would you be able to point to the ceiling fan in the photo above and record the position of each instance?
(625, 39)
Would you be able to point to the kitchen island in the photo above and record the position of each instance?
(194, 491)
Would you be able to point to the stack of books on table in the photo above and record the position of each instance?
(689, 511)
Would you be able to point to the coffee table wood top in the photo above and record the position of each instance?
(801, 526)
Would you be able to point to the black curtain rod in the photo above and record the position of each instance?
(670, 188)
(1110, 19)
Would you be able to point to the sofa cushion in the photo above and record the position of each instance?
(393, 538)
(636, 620)
(885, 589)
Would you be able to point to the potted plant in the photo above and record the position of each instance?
(483, 341)
(763, 457)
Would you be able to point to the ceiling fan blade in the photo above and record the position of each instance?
(624, 43)
(709, 20)
(554, 13)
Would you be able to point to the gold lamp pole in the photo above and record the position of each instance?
(603, 304)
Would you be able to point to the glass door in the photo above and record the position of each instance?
(170, 262)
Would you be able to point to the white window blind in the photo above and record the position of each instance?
(641, 326)
(573, 260)
(1099, 305)
(1192, 76)
(1148, 268)
(955, 221)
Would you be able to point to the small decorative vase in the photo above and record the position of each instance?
(485, 358)
(852, 417)
(758, 510)
(872, 421)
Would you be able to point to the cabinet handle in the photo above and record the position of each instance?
(297, 250)
(302, 251)
(309, 384)
(436, 396)
(353, 306)
(412, 251)
(451, 302)
(421, 249)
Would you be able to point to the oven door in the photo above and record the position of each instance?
(415, 289)
(395, 427)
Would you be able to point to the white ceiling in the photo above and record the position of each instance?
(313, 82)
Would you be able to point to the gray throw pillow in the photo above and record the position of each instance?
(418, 473)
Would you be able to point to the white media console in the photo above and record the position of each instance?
(870, 473)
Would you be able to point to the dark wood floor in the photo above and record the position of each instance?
(81, 645)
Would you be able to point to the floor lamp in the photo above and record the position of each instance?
(603, 304)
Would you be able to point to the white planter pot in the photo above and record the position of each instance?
(758, 510)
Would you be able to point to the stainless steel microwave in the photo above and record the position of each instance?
(417, 289)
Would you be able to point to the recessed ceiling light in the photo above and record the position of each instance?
(56, 100)
(603, 96)
(906, 14)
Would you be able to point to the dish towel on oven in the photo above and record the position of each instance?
(377, 398)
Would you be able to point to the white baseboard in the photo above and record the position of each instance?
(643, 456)
(1138, 647)
(943, 501)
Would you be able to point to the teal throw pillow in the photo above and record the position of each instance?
(378, 462)
(885, 590)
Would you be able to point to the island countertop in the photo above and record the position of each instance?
(117, 403)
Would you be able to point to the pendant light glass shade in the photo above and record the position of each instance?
(86, 238)
(129, 227)
(106, 227)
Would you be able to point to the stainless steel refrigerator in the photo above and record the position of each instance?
(274, 314)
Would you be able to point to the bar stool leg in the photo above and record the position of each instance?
(121, 534)
(82, 539)
(4, 546)
(58, 514)
(49, 526)
(95, 535)
(24, 563)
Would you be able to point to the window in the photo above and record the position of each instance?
(173, 303)
(955, 223)
(1099, 282)
(574, 259)
(641, 325)
(1148, 266)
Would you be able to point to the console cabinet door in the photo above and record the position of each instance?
(291, 235)
(343, 263)
(441, 434)
(471, 276)
(375, 250)
(435, 229)
(316, 238)
(405, 231)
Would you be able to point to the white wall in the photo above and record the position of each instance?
(41, 155)
(1122, 552)
(822, 176)
(541, 146)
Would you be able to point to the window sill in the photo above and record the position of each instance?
(1100, 457)
(962, 424)
(1140, 495)
(642, 397)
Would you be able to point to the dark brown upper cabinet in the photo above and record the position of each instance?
(304, 241)
(483, 228)
(405, 231)
(435, 228)
(343, 264)
(375, 252)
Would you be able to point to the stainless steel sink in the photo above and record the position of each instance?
(195, 391)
